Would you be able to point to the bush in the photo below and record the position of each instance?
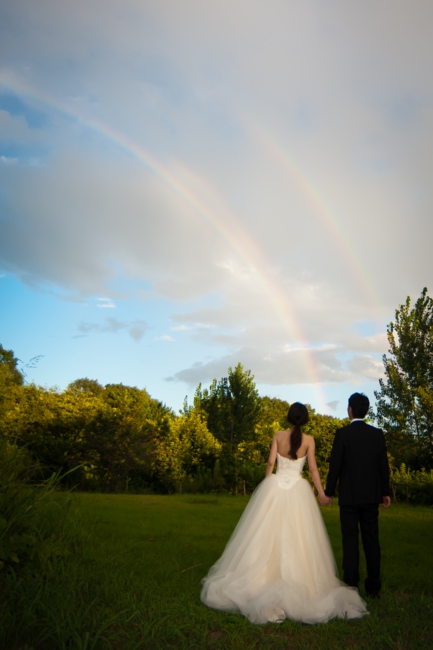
(33, 515)
(417, 487)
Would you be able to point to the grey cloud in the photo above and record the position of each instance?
(366, 366)
(136, 329)
(333, 405)
(280, 367)
(137, 332)
(105, 215)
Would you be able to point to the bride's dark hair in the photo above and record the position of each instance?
(298, 416)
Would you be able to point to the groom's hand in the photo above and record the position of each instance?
(325, 501)
(386, 502)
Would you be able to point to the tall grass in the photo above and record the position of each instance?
(33, 514)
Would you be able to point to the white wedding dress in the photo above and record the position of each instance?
(278, 562)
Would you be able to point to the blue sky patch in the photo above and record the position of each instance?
(15, 106)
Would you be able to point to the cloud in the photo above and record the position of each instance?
(182, 328)
(8, 161)
(105, 303)
(136, 329)
(126, 215)
(137, 332)
(192, 327)
(137, 220)
(164, 337)
(366, 366)
(284, 367)
(333, 405)
(110, 325)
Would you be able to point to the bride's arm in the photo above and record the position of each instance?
(315, 473)
(272, 457)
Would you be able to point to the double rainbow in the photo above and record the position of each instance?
(224, 222)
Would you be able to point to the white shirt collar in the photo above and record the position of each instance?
(357, 420)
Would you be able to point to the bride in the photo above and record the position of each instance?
(278, 562)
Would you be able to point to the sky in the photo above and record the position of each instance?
(189, 185)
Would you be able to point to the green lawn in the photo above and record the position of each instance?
(134, 582)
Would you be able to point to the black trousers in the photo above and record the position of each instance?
(366, 516)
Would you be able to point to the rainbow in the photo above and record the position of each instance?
(222, 220)
(322, 210)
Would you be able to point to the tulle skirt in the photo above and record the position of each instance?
(279, 563)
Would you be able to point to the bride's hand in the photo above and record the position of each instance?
(325, 501)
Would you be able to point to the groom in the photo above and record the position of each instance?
(359, 462)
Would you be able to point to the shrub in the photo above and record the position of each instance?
(415, 486)
(33, 515)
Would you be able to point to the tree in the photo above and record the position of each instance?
(232, 410)
(188, 447)
(272, 418)
(405, 399)
(86, 385)
(9, 367)
(323, 428)
(11, 382)
(232, 406)
(274, 410)
(111, 435)
(123, 438)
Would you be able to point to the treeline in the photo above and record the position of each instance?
(121, 439)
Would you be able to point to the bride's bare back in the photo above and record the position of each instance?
(281, 445)
(282, 439)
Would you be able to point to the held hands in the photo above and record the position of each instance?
(325, 501)
(386, 502)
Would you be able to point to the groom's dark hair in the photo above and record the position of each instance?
(359, 403)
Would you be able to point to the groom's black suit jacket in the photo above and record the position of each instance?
(360, 463)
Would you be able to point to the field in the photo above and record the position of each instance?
(134, 582)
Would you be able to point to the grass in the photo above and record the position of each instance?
(134, 582)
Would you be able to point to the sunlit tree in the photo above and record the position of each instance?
(405, 399)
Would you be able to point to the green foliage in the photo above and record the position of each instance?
(187, 449)
(232, 409)
(112, 434)
(273, 418)
(9, 372)
(405, 398)
(232, 406)
(122, 439)
(86, 385)
(51, 425)
(415, 487)
(11, 380)
(323, 429)
(273, 410)
(33, 531)
(205, 480)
